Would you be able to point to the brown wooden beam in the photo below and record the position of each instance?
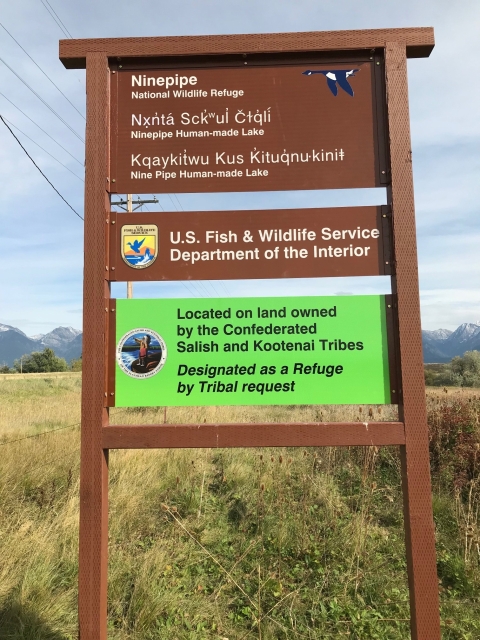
(92, 578)
(417, 496)
(419, 42)
(326, 434)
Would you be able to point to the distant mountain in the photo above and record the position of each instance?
(442, 345)
(73, 349)
(433, 342)
(438, 334)
(14, 343)
(65, 341)
(60, 338)
(7, 327)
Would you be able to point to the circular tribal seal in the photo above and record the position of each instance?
(141, 353)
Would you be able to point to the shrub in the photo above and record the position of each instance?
(76, 365)
(455, 440)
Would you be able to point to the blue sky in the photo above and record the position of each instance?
(42, 240)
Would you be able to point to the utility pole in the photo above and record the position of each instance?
(127, 205)
(129, 210)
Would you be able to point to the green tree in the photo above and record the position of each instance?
(467, 368)
(430, 377)
(76, 364)
(41, 362)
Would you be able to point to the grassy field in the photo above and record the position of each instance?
(232, 544)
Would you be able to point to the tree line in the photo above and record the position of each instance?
(462, 371)
(42, 362)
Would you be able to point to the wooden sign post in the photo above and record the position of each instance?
(142, 137)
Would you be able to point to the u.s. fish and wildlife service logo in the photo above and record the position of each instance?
(139, 245)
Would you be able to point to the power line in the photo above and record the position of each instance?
(175, 208)
(211, 284)
(204, 286)
(197, 289)
(209, 281)
(42, 100)
(209, 293)
(36, 165)
(179, 203)
(42, 433)
(45, 132)
(58, 22)
(189, 290)
(200, 287)
(159, 204)
(52, 13)
(47, 152)
(200, 284)
(39, 67)
(196, 292)
(59, 19)
(222, 284)
(46, 433)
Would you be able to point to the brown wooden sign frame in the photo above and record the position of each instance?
(391, 47)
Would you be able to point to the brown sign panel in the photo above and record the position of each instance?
(232, 245)
(309, 126)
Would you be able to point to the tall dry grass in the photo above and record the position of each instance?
(31, 405)
(262, 543)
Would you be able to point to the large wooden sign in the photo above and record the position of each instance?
(226, 245)
(244, 128)
(251, 113)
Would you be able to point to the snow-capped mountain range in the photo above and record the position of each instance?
(14, 343)
(440, 345)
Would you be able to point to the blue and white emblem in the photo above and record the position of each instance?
(139, 245)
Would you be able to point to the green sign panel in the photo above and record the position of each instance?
(252, 351)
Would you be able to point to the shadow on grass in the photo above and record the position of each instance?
(18, 622)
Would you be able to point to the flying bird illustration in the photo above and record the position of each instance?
(334, 77)
(136, 245)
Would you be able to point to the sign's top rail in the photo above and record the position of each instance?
(419, 42)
